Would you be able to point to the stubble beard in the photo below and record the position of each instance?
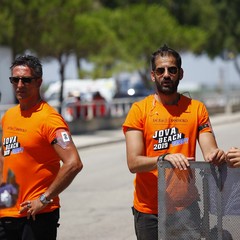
(167, 90)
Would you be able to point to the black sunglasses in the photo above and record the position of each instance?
(160, 71)
(15, 80)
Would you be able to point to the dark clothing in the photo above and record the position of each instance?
(43, 228)
(182, 225)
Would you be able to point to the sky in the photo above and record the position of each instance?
(210, 72)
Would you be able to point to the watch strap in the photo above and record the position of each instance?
(161, 157)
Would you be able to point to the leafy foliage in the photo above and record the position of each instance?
(119, 35)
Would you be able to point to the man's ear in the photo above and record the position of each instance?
(152, 76)
(181, 74)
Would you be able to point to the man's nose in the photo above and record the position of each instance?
(20, 83)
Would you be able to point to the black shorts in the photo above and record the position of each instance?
(44, 227)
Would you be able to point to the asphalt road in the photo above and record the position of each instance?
(97, 204)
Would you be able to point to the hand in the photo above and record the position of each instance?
(31, 207)
(233, 157)
(217, 156)
(178, 160)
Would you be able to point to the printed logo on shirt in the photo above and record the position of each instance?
(168, 136)
(11, 146)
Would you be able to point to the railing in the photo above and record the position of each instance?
(216, 190)
(120, 107)
(100, 109)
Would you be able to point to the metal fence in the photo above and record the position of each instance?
(119, 107)
(215, 191)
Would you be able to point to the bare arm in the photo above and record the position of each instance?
(210, 150)
(71, 166)
(136, 160)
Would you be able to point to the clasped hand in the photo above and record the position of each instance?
(31, 207)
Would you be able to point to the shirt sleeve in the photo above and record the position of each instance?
(204, 122)
(54, 122)
(134, 118)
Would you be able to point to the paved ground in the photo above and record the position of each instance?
(100, 137)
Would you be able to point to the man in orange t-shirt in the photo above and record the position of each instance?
(166, 126)
(35, 141)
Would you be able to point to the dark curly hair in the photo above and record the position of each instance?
(32, 62)
(163, 51)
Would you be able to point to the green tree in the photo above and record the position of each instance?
(219, 19)
(57, 37)
(227, 32)
(6, 26)
(96, 42)
(25, 27)
(140, 36)
(44, 28)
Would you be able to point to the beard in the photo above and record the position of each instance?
(167, 86)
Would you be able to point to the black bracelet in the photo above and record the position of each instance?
(161, 157)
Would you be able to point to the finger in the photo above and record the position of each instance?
(186, 161)
(25, 206)
(213, 155)
(179, 161)
(29, 213)
(25, 203)
(173, 163)
(182, 163)
(218, 157)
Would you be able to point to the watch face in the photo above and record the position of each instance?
(43, 199)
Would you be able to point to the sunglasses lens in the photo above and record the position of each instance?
(160, 71)
(172, 70)
(26, 80)
(15, 80)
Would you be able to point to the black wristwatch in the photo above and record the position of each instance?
(43, 199)
(161, 157)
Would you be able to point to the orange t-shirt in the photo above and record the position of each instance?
(30, 161)
(166, 129)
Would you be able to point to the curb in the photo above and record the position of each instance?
(98, 143)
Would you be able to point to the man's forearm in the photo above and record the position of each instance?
(63, 180)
